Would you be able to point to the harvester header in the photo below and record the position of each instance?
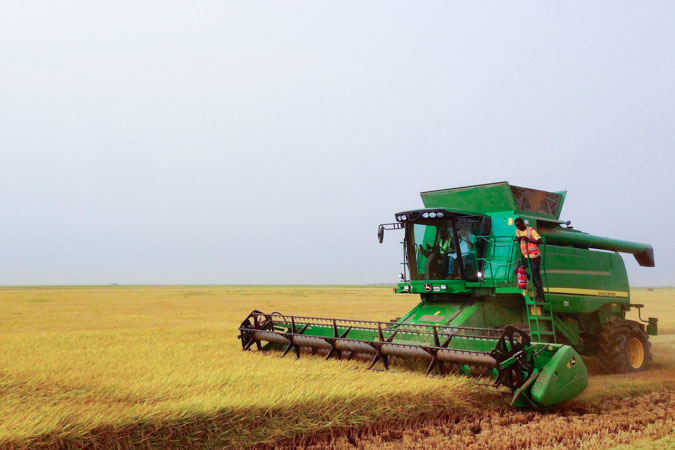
(474, 317)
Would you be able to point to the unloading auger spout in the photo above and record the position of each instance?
(527, 368)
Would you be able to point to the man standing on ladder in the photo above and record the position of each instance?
(529, 248)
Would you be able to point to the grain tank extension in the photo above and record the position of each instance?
(459, 255)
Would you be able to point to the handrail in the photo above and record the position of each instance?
(494, 260)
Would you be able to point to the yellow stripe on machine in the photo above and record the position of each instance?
(594, 292)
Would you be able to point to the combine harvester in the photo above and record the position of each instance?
(473, 316)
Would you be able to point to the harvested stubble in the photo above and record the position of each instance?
(646, 419)
(161, 366)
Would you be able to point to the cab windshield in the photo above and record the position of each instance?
(443, 250)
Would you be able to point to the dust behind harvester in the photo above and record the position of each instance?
(459, 255)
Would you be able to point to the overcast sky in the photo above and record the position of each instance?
(263, 142)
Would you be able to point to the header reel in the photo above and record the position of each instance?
(516, 362)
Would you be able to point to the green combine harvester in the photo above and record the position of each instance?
(473, 318)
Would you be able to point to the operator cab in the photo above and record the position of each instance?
(442, 244)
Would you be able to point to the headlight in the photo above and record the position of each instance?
(425, 215)
(403, 217)
(432, 215)
(440, 214)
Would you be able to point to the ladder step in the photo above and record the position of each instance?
(540, 323)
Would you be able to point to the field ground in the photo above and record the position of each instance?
(161, 366)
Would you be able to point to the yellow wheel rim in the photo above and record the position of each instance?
(636, 353)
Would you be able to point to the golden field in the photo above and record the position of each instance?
(162, 366)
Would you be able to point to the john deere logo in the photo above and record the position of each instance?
(427, 287)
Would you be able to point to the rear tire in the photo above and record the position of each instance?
(624, 347)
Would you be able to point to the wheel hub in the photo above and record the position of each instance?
(636, 353)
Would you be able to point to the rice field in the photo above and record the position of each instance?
(161, 366)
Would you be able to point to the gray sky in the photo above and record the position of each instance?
(263, 142)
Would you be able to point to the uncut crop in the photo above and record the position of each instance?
(149, 366)
(98, 363)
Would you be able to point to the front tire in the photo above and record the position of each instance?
(624, 347)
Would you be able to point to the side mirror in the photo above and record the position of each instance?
(387, 226)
